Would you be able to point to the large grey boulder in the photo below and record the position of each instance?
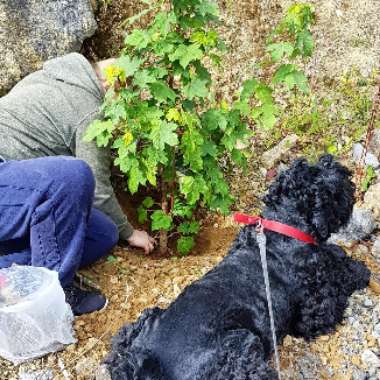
(360, 226)
(32, 31)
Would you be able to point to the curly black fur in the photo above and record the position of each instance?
(218, 328)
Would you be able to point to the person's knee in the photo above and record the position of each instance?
(80, 175)
(75, 177)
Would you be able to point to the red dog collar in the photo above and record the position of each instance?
(274, 226)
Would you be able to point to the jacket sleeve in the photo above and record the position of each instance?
(99, 159)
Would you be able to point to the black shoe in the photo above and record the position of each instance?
(83, 301)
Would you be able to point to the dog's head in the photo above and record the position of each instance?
(322, 194)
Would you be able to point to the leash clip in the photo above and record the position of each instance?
(259, 228)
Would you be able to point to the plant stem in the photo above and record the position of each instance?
(370, 129)
(164, 206)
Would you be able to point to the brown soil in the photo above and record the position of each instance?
(136, 281)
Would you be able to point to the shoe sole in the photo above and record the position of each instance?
(104, 307)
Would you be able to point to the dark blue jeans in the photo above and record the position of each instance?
(46, 216)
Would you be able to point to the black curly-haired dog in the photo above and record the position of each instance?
(218, 328)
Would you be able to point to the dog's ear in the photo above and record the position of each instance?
(333, 194)
(322, 194)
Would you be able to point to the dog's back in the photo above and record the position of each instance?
(218, 328)
(207, 323)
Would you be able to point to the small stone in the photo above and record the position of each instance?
(263, 171)
(367, 302)
(361, 225)
(357, 151)
(102, 373)
(287, 342)
(36, 375)
(362, 249)
(372, 160)
(372, 199)
(374, 145)
(370, 359)
(356, 360)
(270, 157)
(86, 368)
(376, 248)
(371, 341)
(376, 331)
(358, 375)
(348, 312)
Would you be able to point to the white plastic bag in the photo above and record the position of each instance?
(34, 317)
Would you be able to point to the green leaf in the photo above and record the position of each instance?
(279, 50)
(191, 146)
(249, 87)
(238, 157)
(291, 77)
(161, 221)
(192, 188)
(189, 228)
(215, 58)
(148, 202)
(158, 72)
(208, 8)
(213, 119)
(164, 133)
(142, 78)
(332, 148)
(221, 203)
(266, 115)
(138, 38)
(161, 91)
(173, 114)
(243, 108)
(205, 38)
(370, 175)
(130, 66)
(163, 22)
(101, 131)
(136, 177)
(181, 209)
(142, 214)
(186, 54)
(263, 93)
(150, 164)
(123, 163)
(185, 244)
(196, 88)
(299, 16)
(111, 259)
(304, 43)
(209, 148)
(116, 112)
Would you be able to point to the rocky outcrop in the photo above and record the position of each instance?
(32, 31)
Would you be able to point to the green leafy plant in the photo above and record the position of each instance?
(164, 124)
(369, 177)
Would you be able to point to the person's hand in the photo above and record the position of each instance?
(141, 239)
